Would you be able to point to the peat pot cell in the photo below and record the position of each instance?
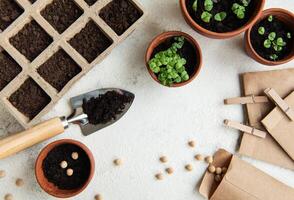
(29, 99)
(9, 69)
(59, 69)
(91, 2)
(120, 15)
(9, 11)
(31, 40)
(61, 14)
(59, 176)
(90, 42)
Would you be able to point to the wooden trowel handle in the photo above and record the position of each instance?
(23, 140)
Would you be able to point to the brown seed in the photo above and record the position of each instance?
(218, 170)
(117, 162)
(211, 169)
(69, 172)
(98, 197)
(19, 182)
(218, 178)
(209, 159)
(224, 170)
(163, 159)
(8, 197)
(63, 164)
(189, 167)
(169, 170)
(75, 155)
(159, 176)
(2, 173)
(191, 143)
(199, 157)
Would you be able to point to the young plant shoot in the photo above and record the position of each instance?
(169, 66)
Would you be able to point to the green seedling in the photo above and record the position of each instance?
(272, 36)
(270, 18)
(208, 5)
(238, 10)
(267, 43)
(195, 5)
(206, 16)
(289, 36)
(220, 16)
(274, 57)
(261, 30)
(245, 2)
(276, 43)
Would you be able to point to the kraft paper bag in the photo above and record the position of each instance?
(281, 127)
(242, 182)
(254, 84)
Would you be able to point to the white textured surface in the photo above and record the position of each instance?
(161, 120)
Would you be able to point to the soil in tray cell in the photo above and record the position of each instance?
(120, 15)
(29, 99)
(9, 69)
(58, 176)
(9, 11)
(59, 69)
(91, 2)
(61, 14)
(90, 42)
(31, 40)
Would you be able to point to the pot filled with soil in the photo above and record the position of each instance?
(270, 40)
(64, 168)
(173, 59)
(221, 19)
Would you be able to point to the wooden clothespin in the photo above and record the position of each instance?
(246, 129)
(274, 96)
(247, 100)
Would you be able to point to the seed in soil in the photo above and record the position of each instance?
(8, 197)
(2, 173)
(169, 170)
(69, 172)
(189, 167)
(159, 176)
(9, 69)
(63, 164)
(58, 176)
(163, 159)
(31, 40)
(209, 159)
(9, 11)
(98, 197)
(61, 14)
(19, 182)
(118, 162)
(120, 15)
(90, 2)
(59, 69)
(270, 39)
(105, 107)
(75, 155)
(221, 16)
(90, 42)
(30, 99)
(199, 157)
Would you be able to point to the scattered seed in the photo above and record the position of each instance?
(211, 169)
(199, 157)
(19, 182)
(159, 176)
(218, 178)
(169, 170)
(209, 159)
(191, 143)
(218, 170)
(189, 167)
(2, 173)
(98, 197)
(117, 162)
(75, 155)
(224, 170)
(63, 164)
(8, 197)
(163, 159)
(69, 172)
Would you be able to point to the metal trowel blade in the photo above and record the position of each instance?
(77, 102)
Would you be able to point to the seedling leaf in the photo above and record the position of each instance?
(270, 18)
(267, 44)
(238, 10)
(289, 36)
(206, 16)
(208, 5)
(195, 5)
(272, 36)
(220, 16)
(261, 30)
(274, 57)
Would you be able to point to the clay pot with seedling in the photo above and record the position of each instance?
(270, 40)
(173, 59)
(221, 18)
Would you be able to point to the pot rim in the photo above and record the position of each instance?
(217, 35)
(39, 171)
(168, 34)
(265, 14)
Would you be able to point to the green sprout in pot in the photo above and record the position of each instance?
(261, 30)
(239, 10)
(220, 16)
(169, 66)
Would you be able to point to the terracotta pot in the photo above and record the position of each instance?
(50, 188)
(283, 15)
(160, 39)
(215, 35)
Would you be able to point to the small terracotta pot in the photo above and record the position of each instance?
(50, 188)
(283, 15)
(215, 35)
(160, 39)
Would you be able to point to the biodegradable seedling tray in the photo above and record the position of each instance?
(45, 47)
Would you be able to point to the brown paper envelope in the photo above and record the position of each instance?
(243, 182)
(281, 127)
(265, 149)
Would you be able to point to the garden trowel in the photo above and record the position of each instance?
(48, 129)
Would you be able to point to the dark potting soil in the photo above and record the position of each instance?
(61, 14)
(9, 69)
(90, 2)
(120, 15)
(106, 107)
(90, 42)
(29, 99)
(230, 23)
(59, 69)
(187, 51)
(31, 40)
(281, 29)
(9, 11)
(57, 175)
